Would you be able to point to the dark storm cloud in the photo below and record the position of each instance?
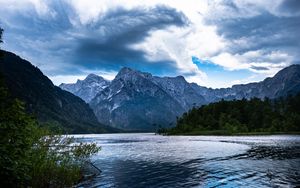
(34, 26)
(41, 39)
(119, 29)
(103, 43)
(258, 68)
(264, 30)
(290, 6)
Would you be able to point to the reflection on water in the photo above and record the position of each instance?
(148, 160)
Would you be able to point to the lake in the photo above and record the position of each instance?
(149, 160)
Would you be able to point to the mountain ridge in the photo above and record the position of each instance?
(125, 101)
(270, 87)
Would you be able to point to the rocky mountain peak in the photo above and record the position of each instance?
(128, 73)
(125, 70)
(93, 77)
(88, 88)
(180, 78)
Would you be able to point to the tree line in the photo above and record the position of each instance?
(241, 116)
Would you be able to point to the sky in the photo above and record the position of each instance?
(212, 43)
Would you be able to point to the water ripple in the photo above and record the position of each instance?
(147, 160)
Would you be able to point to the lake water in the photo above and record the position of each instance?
(148, 160)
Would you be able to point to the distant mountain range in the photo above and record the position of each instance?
(133, 101)
(49, 103)
(140, 101)
(285, 82)
(137, 100)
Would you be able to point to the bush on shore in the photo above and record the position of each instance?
(31, 155)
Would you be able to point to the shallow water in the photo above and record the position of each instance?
(148, 160)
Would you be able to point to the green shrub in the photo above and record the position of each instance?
(32, 156)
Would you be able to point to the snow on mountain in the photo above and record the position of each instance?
(136, 100)
(88, 88)
(133, 101)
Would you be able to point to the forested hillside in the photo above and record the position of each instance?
(51, 105)
(241, 116)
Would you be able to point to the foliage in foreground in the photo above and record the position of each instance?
(32, 156)
(241, 116)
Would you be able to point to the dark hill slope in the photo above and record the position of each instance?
(47, 102)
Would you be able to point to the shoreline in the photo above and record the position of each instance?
(216, 133)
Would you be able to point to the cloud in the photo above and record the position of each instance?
(39, 34)
(114, 32)
(69, 38)
(264, 31)
(259, 61)
(290, 7)
(250, 35)
(180, 45)
(55, 37)
(258, 68)
(258, 35)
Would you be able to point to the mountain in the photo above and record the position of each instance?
(134, 101)
(137, 100)
(180, 90)
(285, 82)
(47, 102)
(88, 88)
